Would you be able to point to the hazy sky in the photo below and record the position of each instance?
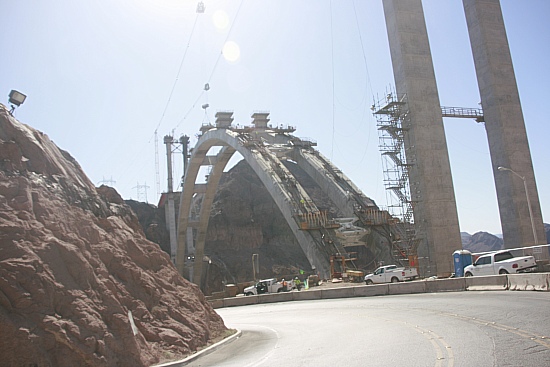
(102, 75)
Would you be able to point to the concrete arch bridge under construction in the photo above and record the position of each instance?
(265, 148)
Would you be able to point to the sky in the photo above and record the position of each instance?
(102, 76)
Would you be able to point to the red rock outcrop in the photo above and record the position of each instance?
(79, 283)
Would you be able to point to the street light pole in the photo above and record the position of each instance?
(528, 201)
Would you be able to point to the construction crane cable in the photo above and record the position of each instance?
(213, 68)
(332, 66)
(367, 84)
(179, 71)
(363, 50)
(226, 38)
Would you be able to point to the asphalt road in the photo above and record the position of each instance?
(435, 329)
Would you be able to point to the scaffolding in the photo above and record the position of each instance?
(391, 114)
(463, 112)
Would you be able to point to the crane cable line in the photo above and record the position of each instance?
(179, 71)
(363, 49)
(207, 85)
(332, 66)
(368, 84)
(155, 134)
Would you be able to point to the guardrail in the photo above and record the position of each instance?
(535, 281)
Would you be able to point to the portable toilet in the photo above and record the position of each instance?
(461, 259)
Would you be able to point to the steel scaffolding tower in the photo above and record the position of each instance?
(391, 114)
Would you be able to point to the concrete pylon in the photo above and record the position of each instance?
(432, 191)
(505, 125)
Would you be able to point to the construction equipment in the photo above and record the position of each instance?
(339, 268)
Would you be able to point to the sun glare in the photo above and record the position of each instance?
(231, 51)
(220, 19)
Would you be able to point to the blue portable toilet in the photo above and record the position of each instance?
(461, 259)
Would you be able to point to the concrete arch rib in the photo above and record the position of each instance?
(342, 191)
(231, 143)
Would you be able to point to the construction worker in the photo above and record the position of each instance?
(298, 283)
(283, 281)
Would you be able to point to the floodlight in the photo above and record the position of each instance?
(17, 98)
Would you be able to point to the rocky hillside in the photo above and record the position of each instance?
(79, 283)
(481, 242)
(245, 220)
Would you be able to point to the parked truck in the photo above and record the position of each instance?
(501, 262)
(269, 286)
(391, 274)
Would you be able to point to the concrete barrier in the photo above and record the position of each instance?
(329, 293)
(275, 297)
(529, 282)
(526, 282)
(407, 287)
(371, 290)
(487, 283)
(216, 303)
(202, 352)
(240, 301)
(446, 285)
(306, 295)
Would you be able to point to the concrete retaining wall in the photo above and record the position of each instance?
(536, 281)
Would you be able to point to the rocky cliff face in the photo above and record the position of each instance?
(79, 283)
(245, 220)
(153, 223)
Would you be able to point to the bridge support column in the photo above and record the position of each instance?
(436, 218)
(504, 124)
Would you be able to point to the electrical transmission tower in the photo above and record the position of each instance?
(141, 192)
(108, 182)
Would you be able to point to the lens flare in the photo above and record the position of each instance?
(231, 51)
(220, 19)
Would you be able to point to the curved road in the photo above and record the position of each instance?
(436, 329)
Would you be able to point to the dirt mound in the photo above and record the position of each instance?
(79, 283)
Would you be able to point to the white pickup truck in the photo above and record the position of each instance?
(390, 273)
(269, 286)
(501, 262)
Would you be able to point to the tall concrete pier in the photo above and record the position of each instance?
(505, 126)
(432, 191)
